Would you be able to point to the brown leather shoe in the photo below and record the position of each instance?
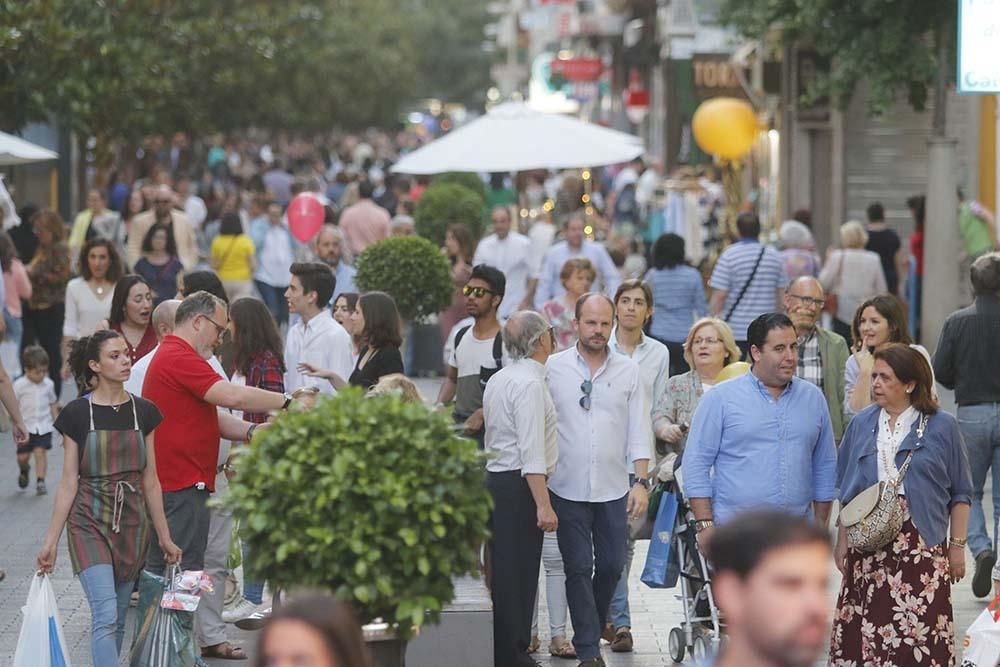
(609, 633)
(623, 641)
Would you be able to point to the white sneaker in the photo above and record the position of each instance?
(256, 620)
(244, 609)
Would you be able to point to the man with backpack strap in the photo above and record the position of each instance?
(478, 351)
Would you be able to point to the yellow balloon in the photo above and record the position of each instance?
(733, 370)
(725, 126)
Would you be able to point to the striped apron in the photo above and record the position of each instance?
(108, 523)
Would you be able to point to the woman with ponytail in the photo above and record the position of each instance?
(109, 493)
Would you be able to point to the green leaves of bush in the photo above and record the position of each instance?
(444, 204)
(374, 499)
(410, 269)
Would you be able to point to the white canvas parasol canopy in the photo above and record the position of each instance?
(14, 150)
(514, 137)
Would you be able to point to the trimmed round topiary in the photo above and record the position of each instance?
(464, 178)
(410, 269)
(447, 204)
(374, 499)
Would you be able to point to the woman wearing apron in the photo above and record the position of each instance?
(109, 493)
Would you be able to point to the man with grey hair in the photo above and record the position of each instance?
(521, 435)
(188, 392)
(966, 360)
(331, 249)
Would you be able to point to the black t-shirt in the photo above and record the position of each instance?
(885, 242)
(74, 420)
(385, 361)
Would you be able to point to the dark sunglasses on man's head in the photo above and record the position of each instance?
(478, 292)
(587, 387)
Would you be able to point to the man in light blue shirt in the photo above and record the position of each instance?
(575, 245)
(331, 250)
(601, 435)
(766, 435)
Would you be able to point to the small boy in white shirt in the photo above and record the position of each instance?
(36, 395)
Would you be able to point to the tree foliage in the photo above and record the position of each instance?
(374, 499)
(446, 204)
(412, 270)
(892, 45)
(122, 68)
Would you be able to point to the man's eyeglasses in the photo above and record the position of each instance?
(163, 201)
(219, 329)
(704, 341)
(587, 388)
(478, 292)
(809, 301)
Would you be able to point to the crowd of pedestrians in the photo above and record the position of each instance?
(188, 315)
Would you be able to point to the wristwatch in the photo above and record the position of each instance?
(288, 401)
(702, 525)
(644, 482)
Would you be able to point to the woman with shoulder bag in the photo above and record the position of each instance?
(905, 492)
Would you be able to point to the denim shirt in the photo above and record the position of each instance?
(938, 477)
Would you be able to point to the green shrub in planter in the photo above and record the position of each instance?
(466, 178)
(410, 269)
(374, 499)
(446, 204)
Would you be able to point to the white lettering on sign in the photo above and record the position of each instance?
(978, 30)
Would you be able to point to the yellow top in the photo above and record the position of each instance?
(231, 256)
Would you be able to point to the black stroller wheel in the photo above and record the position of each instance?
(675, 645)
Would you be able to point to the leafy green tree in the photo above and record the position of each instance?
(447, 204)
(412, 270)
(902, 48)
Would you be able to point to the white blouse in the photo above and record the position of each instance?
(84, 309)
(889, 440)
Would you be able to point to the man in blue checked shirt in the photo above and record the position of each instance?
(767, 435)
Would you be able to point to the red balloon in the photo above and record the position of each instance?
(305, 217)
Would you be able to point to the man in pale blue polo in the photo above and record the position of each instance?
(766, 435)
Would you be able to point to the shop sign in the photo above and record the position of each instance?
(978, 31)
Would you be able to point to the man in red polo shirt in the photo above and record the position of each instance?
(188, 393)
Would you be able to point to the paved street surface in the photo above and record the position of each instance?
(24, 518)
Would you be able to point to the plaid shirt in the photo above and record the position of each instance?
(266, 372)
(810, 363)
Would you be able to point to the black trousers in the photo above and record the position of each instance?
(516, 554)
(43, 326)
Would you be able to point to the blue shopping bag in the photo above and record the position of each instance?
(662, 568)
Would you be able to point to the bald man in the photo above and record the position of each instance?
(822, 353)
(163, 323)
(331, 249)
(164, 212)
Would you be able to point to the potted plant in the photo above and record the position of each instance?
(372, 498)
(444, 204)
(465, 178)
(410, 269)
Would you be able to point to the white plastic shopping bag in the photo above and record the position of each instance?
(982, 639)
(41, 643)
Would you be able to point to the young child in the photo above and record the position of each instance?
(36, 394)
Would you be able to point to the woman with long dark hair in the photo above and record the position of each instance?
(131, 311)
(377, 321)
(159, 264)
(17, 287)
(88, 297)
(313, 630)
(459, 248)
(234, 257)
(49, 271)
(678, 298)
(343, 311)
(109, 493)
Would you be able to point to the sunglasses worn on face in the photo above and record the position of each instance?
(478, 292)
(587, 388)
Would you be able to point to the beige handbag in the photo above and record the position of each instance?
(874, 517)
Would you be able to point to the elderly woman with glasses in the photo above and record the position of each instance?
(709, 348)
(577, 276)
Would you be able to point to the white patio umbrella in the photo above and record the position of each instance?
(14, 150)
(514, 137)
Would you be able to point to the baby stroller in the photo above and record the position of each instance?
(701, 633)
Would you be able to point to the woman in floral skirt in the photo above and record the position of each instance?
(895, 603)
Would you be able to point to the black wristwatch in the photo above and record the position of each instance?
(288, 401)
(643, 482)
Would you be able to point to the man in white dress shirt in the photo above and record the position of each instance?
(510, 252)
(521, 435)
(317, 338)
(634, 308)
(601, 430)
(574, 245)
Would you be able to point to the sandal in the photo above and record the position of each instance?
(223, 651)
(561, 649)
(533, 644)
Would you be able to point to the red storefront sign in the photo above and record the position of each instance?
(578, 69)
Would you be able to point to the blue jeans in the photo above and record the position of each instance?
(109, 601)
(274, 299)
(619, 612)
(592, 539)
(980, 426)
(253, 590)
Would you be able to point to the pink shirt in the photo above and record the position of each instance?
(17, 286)
(364, 224)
